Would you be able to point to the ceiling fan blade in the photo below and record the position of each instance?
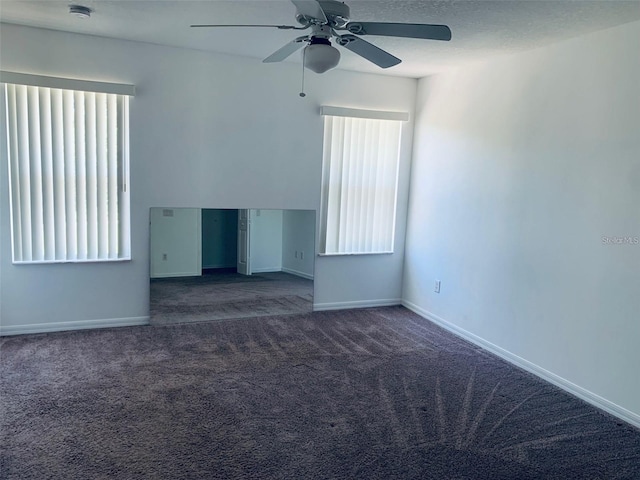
(288, 49)
(368, 50)
(310, 8)
(281, 27)
(407, 30)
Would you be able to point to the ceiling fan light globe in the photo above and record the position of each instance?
(320, 57)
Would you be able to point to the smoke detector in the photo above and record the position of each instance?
(80, 11)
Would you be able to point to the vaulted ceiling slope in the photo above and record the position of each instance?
(481, 28)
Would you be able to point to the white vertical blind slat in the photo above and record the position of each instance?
(69, 176)
(368, 193)
(381, 197)
(102, 182)
(91, 175)
(336, 172)
(112, 176)
(394, 151)
(58, 170)
(372, 217)
(35, 170)
(14, 170)
(24, 166)
(357, 161)
(81, 176)
(124, 247)
(345, 197)
(46, 158)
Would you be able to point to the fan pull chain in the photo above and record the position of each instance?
(302, 94)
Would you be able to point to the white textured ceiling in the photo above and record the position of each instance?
(480, 28)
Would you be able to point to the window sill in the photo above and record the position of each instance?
(57, 262)
(352, 254)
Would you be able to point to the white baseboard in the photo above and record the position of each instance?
(317, 307)
(266, 270)
(79, 325)
(297, 273)
(176, 274)
(582, 393)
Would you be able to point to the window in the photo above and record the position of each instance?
(359, 181)
(68, 152)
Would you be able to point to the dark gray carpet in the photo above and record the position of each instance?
(224, 295)
(371, 394)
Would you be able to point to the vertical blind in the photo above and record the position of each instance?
(68, 174)
(359, 185)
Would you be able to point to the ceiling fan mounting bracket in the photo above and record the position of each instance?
(305, 21)
(343, 40)
(355, 28)
(337, 14)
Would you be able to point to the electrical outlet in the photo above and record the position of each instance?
(301, 255)
(437, 287)
(164, 256)
(296, 254)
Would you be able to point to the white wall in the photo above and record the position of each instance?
(266, 240)
(175, 240)
(521, 166)
(208, 131)
(298, 242)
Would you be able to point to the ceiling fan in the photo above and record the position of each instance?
(325, 18)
